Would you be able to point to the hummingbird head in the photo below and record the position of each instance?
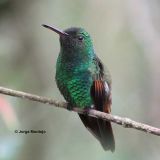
(73, 39)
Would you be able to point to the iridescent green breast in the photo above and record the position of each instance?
(74, 82)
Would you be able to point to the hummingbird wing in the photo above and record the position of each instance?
(101, 87)
(101, 95)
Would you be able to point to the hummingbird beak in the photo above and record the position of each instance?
(61, 33)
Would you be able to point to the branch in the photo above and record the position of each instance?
(125, 122)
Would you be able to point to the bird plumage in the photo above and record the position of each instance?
(81, 79)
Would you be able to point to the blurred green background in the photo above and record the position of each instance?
(126, 37)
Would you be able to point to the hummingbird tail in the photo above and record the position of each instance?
(101, 129)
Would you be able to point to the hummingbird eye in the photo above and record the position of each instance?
(80, 38)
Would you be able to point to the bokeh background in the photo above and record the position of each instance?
(126, 37)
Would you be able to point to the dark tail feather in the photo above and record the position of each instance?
(101, 129)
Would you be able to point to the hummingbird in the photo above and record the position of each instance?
(83, 81)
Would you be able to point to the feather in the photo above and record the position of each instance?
(101, 95)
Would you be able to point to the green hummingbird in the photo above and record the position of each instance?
(82, 80)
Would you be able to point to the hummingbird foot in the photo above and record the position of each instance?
(84, 110)
(87, 109)
(69, 107)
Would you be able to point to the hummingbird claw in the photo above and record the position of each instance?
(69, 107)
(86, 110)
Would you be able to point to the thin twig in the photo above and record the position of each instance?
(125, 122)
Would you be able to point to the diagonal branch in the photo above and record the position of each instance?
(125, 122)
